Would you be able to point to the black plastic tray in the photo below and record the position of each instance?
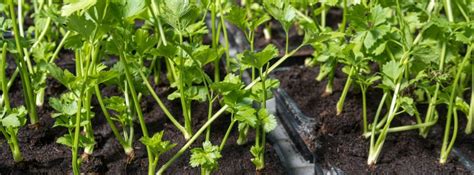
(298, 124)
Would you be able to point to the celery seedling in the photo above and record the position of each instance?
(223, 109)
(11, 119)
(261, 93)
(448, 143)
(206, 157)
(157, 146)
(284, 13)
(21, 62)
(248, 24)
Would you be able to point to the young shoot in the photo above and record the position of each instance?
(12, 119)
(206, 157)
(157, 146)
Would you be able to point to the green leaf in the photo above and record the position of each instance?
(257, 153)
(207, 157)
(76, 5)
(246, 114)
(65, 140)
(179, 14)
(257, 90)
(11, 120)
(63, 76)
(144, 41)
(392, 71)
(115, 103)
(230, 83)
(196, 28)
(329, 2)
(133, 8)
(243, 132)
(281, 11)
(237, 17)
(65, 105)
(198, 93)
(253, 24)
(15, 117)
(462, 105)
(258, 60)
(379, 15)
(80, 24)
(205, 54)
(177, 8)
(408, 105)
(156, 144)
(268, 121)
(68, 140)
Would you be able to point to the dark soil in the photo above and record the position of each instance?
(338, 139)
(43, 155)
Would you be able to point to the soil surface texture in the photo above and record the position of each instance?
(43, 155)
(338, 141)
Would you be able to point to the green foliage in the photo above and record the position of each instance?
(156, 143)
(257, 152)
(76, 5)
(258, 60)
(238, 16)
(206, 157)
(120, 108)
(12, 120)
(281, 11)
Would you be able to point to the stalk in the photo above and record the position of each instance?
(15, 148)
(168, 114)
(342, 28)
(88, 128)
(128, 138)
(209, 115)
(126, 146)
(221, 111)
(13, 77)
(376, 148)
(152, 169)
(184, 102)
(402, 128)
(364, 108)
(41, 92)
(374, 151)
(13, 140)
(3, 78)
(20, 17)
(43, 33)
(215, 38)
(323, 15)
(88, 97)
(432, 105)
(470, 118)
(286, 42)
(77, 128)
(138, 110)
(24, 74)
(227, 133)
(340, 102)
(260, 129)
(446, 147)
(60, 46)
(153, 6)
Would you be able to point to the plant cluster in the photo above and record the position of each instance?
(416, 53)
(423, 51)
(125, 44)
